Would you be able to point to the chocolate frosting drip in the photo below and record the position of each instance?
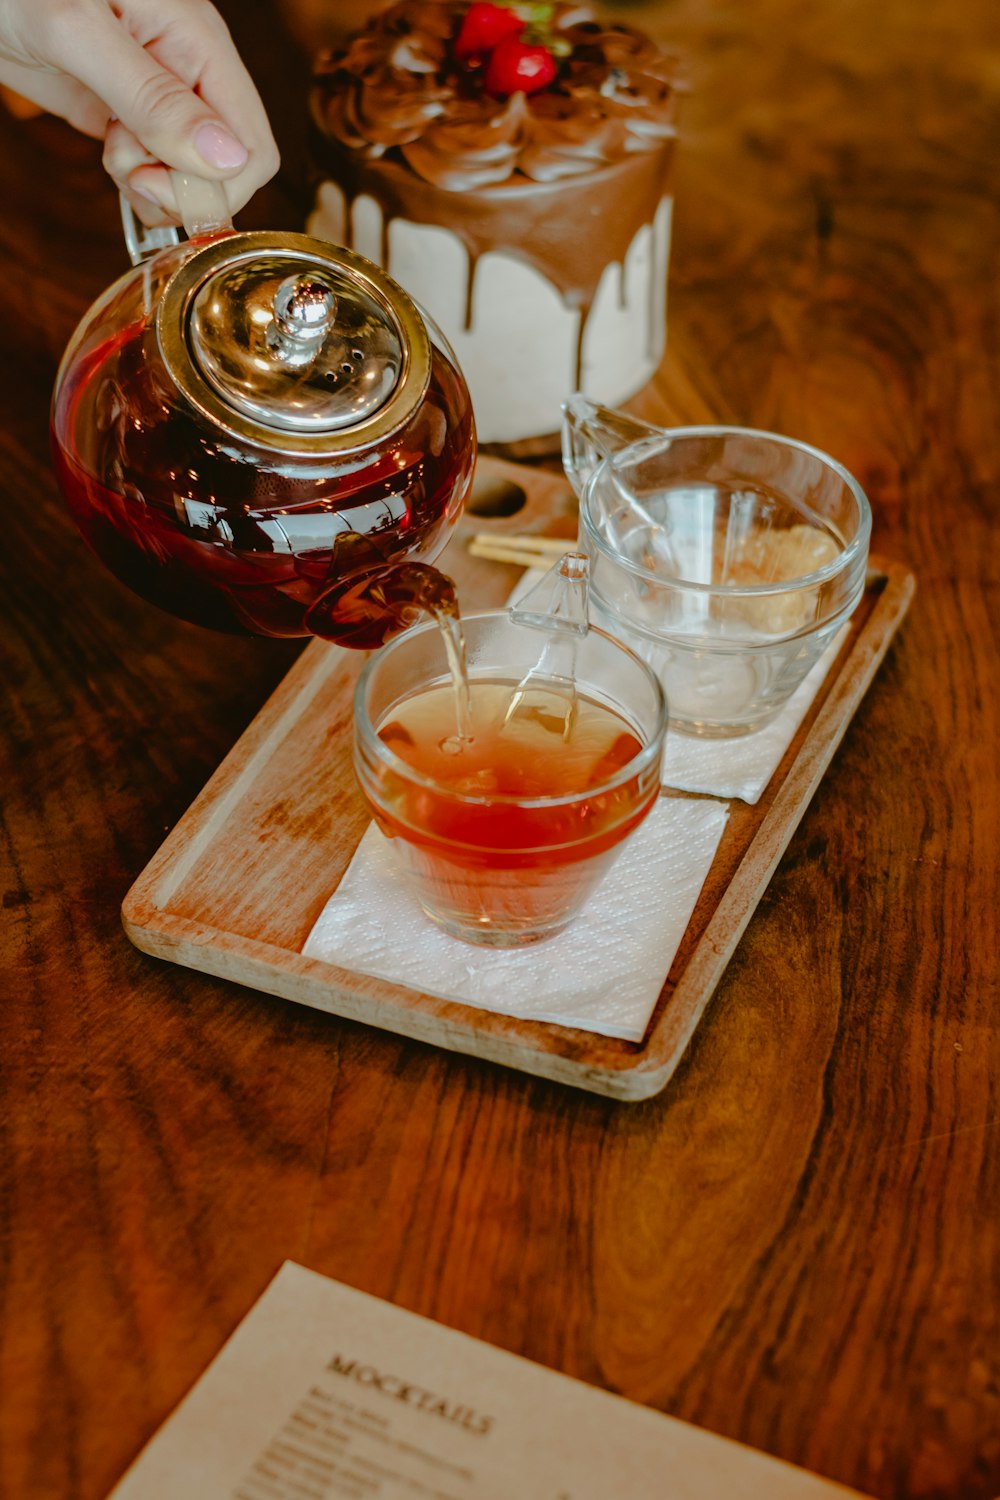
(398, 89)
(527, 219)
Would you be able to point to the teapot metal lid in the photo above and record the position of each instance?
(292, 344)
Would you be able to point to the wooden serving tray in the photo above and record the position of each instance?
(237, 886)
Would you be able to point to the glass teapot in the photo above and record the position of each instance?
(246, 424)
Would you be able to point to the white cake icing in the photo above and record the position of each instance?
(519, 348)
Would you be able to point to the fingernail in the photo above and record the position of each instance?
(218, 148)
(141, 193)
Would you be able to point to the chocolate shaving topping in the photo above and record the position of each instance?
(396, 89)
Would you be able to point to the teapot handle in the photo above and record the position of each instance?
(203, 208)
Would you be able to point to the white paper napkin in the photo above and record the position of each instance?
(740, 767)
(603, 973)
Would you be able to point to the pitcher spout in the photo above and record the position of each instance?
(591, 432)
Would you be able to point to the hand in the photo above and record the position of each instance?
(160, 80)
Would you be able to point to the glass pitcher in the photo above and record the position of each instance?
(729, 559)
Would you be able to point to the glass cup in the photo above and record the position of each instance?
(503, 836)
(727, 558)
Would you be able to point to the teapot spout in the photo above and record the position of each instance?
(591, 432)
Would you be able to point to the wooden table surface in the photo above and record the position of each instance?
(798, 1243)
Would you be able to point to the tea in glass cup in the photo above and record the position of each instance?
(505, 812)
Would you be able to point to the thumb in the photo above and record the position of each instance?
(173, 124)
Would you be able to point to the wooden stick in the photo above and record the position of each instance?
(514, 558)
(524, 541)
(525, 551)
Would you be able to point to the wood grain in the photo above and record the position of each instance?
(798, 1243)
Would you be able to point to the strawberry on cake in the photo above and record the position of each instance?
(509, 165)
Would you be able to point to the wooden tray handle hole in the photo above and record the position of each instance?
(495, 497)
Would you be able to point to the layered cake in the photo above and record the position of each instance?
(510, 166)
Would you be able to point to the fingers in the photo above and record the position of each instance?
(148, 185)
(57, 94)
(172, 76)
(124, 159)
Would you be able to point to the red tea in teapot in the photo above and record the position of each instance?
(247, 546)
(249, 419)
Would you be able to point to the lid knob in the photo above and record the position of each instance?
(304, 306)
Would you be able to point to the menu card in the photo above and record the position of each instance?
(325, 1393)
